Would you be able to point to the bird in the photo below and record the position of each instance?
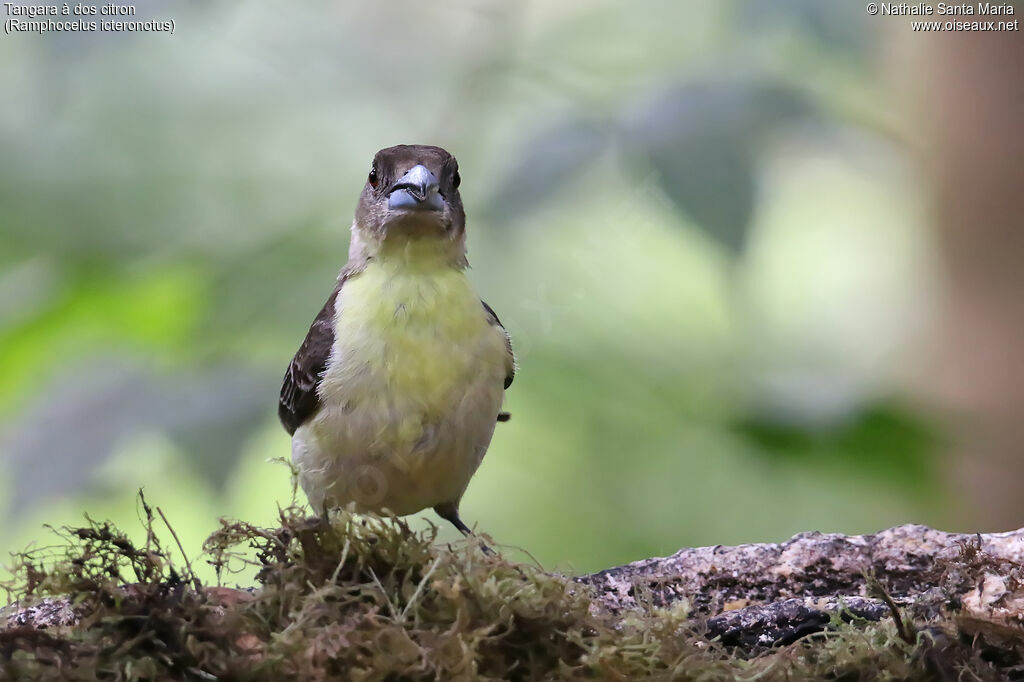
(392, 398)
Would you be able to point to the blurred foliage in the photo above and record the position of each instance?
(696, 220)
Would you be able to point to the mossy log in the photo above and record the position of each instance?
(370, 599)
(765, 594)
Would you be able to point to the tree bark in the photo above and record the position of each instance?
(773, 593)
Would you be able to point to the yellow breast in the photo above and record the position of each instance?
(411, 391)
(410, 334)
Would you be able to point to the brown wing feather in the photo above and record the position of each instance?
(299, 400)
(510, 360)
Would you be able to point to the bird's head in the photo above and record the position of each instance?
(411, 193)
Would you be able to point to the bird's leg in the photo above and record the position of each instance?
(320, 519)
(450, 513)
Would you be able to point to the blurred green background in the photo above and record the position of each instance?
(698, 221)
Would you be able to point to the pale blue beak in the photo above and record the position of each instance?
(417, 190)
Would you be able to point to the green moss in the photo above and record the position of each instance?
(365, 598)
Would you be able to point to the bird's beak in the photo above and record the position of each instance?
(417, 190)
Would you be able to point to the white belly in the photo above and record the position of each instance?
(367, 456)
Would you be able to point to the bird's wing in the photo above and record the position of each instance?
(299, 399)
(510, 358)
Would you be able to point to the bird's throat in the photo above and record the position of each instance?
(424, 254)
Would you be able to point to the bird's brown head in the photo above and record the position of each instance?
(411, 191)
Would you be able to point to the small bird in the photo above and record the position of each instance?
(392, 398)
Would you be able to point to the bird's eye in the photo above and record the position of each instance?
(373, 179)
(456, 180)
